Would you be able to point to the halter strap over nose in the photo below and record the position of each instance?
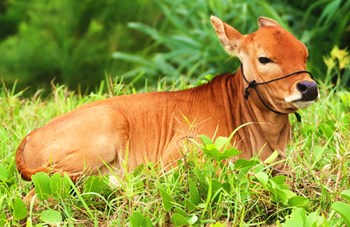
(253, 84)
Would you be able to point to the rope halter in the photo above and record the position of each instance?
(253, 85)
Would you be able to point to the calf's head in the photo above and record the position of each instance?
(275, 60)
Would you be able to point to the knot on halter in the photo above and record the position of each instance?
(251, 84)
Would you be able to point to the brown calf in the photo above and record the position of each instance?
(145, 127)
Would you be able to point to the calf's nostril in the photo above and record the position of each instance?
(301, 87)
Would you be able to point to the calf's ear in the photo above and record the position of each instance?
(229, 37)
(264, 21)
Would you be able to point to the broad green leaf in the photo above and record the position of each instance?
(194, 194)
(221, 141)
(29, 222)
(189, 205)
(274, 185)
(296, 218)
(212, 153)
(344, 97)
(206, 140)
(42, 185)
(259, 167)
(59, 186)
(314, 220)
(344, 210)
(230, 153)
(262, 178)
(216, 186)
(299, 217)
(3, 218)
(19, 209)
(178, 210)
(280, 179)
(271, 158)
(199, 174)
(279, 196)
(327, 129)
(166, 198)
(192, 219)
(4, 174)
(298, 201)
(318, 152)
(138, 220)
(179, 220)
(51, 217)
(246, 165)
(284, 195)
(3, 198)
(290, 194)
(147, 222)
(95, 184)
(346, 194)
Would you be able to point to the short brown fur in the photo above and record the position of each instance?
(152, 126)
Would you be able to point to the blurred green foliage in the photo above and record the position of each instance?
(80, 42)
(71, 41)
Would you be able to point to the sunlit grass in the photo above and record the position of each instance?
(195, 192)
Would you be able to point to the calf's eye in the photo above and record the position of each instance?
(264, 60)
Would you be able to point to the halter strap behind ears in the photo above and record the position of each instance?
(253, 84)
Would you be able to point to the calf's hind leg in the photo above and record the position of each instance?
(82, 141)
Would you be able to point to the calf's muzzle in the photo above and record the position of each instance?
(308, 90)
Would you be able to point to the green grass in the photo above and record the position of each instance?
(201, 191)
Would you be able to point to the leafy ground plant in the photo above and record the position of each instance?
(205, 189)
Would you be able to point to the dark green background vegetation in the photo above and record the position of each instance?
(79, 43)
